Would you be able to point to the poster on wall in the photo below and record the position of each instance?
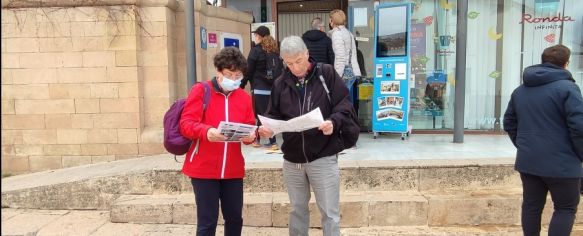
(270, 25)
(203, 38)
(212, 40)
(231, 40)
(418, 48)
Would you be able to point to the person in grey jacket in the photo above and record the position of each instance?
(544, 120)
(343, 44)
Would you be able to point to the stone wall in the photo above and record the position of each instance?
(89, 81)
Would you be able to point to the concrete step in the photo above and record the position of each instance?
(95, 223)
(357, 209)
(98, 186)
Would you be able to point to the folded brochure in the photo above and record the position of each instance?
(235, 131)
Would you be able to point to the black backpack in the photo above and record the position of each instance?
(274, 65)
(350, 129)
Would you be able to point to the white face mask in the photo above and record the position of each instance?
(230, 85)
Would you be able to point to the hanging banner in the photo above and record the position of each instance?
(392, 68)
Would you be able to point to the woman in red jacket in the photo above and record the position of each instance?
(217, 168)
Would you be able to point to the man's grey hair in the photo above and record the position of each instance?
(317, 23)
(292, 45)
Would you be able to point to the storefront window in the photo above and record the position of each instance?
(503, 38)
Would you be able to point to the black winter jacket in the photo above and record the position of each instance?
(256, 73)
(287, 102)
(319, 46)
(544, 120)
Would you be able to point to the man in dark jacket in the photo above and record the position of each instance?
(318, 43)
(544, 120)
(311, 155)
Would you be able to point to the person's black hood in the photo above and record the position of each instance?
(544, 73)
(314, 35)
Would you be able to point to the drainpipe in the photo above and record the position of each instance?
(460, 71)
(190, 54)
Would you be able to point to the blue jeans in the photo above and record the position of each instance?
(565, 196)
(208, 193)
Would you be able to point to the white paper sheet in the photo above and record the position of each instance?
(235, 131)
(360, 17)
(310, 120)
(400, 71)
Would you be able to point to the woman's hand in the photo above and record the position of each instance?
(248, 139)
(214, 135)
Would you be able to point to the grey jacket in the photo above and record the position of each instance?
(343, 43)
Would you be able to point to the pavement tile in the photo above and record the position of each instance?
(76, 223)
(30, 223)
(117, 229)
(8, 213)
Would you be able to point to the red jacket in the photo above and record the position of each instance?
(214, 160)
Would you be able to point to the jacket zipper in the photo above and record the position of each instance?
(225, 149)
(195, 150)
(302, 113)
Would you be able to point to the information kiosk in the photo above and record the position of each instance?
(391, 69)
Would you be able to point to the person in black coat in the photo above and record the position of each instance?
(318, 43)
(544, 120)
(256, 75)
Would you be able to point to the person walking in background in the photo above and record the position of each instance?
(217, 168)
(544, 120)
(318, 43)
(311, 156)
(343, 44)
(263, 67)
(360, 60)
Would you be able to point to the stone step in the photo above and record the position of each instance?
(357, 209)
(98, 186)
(96, 223)
(173, 229)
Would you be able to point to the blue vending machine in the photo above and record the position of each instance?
(391, 69)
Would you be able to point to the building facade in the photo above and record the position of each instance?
(89, 81)
(503, 38)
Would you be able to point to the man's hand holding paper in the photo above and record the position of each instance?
(270, 127)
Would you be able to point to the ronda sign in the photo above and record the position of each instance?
(528, 18)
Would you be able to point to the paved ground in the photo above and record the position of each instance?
(385, 150)
(416, 147)
(96, 223)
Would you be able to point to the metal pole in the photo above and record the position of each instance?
(460, 71)
(190, 54)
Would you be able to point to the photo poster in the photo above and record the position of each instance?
(269, 25)
(392, 68)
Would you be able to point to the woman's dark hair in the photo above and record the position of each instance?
(230, 58)
(557, 55)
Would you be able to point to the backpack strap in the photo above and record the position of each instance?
(319, 68)
(206, 95)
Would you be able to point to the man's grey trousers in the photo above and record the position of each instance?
(324, 177)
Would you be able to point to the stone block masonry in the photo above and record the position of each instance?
(89, 81)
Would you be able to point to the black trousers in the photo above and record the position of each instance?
(565, 196)
(208, 193)
(260, 103)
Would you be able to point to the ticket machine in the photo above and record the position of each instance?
(391, 69)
